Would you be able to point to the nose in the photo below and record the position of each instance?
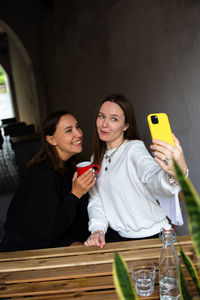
(105, 123)
(78, 132)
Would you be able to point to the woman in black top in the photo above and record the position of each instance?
(49, 208)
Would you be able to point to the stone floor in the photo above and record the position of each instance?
(9, 176)
(9, 179)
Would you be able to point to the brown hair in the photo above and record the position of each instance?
(48, 152)
(131, 133)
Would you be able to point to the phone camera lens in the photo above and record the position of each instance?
(154, 119)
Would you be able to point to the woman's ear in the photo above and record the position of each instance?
(50, 140)
(126, 127)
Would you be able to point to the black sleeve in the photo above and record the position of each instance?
(80, 225)
(43, 215)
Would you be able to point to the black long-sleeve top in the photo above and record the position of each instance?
(44, 213)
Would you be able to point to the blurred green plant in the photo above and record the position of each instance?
(2, 80)
(192, 202)
(1, 71)
(123, 283)
(126, 290)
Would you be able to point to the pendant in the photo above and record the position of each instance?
(106, 168)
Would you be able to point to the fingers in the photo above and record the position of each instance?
(96, 239)
(75, 176)
(82, 184)
(176, 141)
(160, 145)
(87, 177)
(164, 157)
(164, 153)
(87, 180)
(165, 144)
(166, 149)
(166, 165)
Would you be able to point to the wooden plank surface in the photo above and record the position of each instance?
(75, 272)
(81, 260)
(86, 284)
(97, 295)
(62, 273)
(78, 250)
(58, 286)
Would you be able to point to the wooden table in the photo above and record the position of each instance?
(77, 272)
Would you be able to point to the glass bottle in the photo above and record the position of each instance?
(168, 266)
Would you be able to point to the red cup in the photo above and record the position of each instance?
(86, 165)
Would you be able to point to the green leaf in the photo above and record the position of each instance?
(192, 202)
(184, 293)
(191, 269)
(122, 280)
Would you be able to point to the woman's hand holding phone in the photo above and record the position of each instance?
(164, 153)
(165, 145)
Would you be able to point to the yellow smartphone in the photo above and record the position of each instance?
(160, 127)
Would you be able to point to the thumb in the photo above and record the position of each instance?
(75, 176)
(177, 143)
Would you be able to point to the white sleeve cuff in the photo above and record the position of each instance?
(93, 227)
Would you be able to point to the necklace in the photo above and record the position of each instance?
(108, 157)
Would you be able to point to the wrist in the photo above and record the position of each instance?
(98, 231)
(172, 180)
(76, 194)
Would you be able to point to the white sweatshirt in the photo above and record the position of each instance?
(124, 196)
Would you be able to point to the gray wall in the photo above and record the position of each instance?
(148, 50)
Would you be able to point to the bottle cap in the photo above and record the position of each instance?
(167, 227)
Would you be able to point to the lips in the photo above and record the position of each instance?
(103, 132)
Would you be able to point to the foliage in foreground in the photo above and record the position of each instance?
(192, 202)
(124, 285)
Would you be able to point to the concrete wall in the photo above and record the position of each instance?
(28, 110)
(147, 50)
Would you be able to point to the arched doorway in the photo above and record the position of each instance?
(18, 66)
(6, 102)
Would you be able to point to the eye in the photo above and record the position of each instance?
(114, 119)
(101, 116)
(68, 130)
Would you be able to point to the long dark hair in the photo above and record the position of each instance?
(48, 152)
(131, 133)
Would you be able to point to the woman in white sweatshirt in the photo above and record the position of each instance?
(123, 204)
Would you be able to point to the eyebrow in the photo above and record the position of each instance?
(113, 115)
(71, 126)
(67, 127)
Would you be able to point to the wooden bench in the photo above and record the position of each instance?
(25, 147)
(8, 121)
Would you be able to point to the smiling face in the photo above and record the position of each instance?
(111, 124)
(67, 138)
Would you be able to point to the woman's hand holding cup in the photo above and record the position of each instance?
(84, 179)
(86, 165)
